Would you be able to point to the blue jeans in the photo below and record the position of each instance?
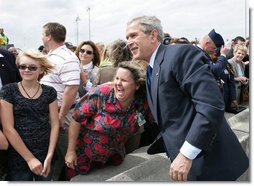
(27, 175)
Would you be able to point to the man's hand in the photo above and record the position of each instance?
(180, 168)
(62, 123)
(223, 50)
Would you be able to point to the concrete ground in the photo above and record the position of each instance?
(138, 166)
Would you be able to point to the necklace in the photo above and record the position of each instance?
(31, 97)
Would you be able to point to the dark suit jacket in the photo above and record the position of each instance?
(8, 69)
(187, 105)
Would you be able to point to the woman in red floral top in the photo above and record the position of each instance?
(105, 118)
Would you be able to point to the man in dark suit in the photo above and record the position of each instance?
(8, 69)
(188, 107)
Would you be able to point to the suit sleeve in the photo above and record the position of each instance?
(198, 83)
(219, 66)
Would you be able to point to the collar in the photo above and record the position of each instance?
(152, 59)
(88, 66)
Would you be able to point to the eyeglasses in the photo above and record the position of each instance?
(30, 68)
(88, 52)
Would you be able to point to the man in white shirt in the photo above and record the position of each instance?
(65, 78)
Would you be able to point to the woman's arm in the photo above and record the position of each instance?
(54, 122)
(3, 141)
(15, 139)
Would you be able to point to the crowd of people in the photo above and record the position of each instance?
(66, 110)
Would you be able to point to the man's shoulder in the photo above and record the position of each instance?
(63, 54)
(181, 50)
(184, 55)
(67, 54)
(180, 47)
(6, 53)
(9, 56)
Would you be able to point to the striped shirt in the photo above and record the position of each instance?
(66, 71)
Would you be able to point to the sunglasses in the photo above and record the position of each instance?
(88, 52)
(30, 68)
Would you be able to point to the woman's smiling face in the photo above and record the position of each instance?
(124, 85)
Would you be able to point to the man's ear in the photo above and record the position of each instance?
(49, 37)
(154, 34)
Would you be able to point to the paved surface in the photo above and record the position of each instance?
(138, 166)
(229, 115)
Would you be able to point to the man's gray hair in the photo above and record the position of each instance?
(149, 23)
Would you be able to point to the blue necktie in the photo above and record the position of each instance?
(149, 76)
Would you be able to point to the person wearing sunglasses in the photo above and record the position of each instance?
(89, 57)
(29, 114)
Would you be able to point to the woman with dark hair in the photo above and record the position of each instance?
(89, 57)
(105, 118)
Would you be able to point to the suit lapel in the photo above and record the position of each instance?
(155, 77)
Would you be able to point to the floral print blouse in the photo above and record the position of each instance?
(105, 127)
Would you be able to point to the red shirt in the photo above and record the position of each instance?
(105, 127)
